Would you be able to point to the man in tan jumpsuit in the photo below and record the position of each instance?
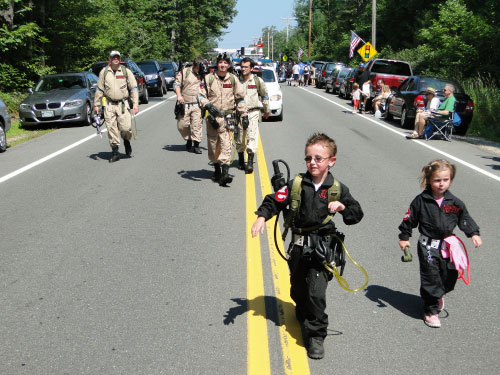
(116, 88)
(255, 91)
(187, 86)
(223, 95)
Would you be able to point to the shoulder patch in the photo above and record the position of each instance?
(282, 194)
(407, 215)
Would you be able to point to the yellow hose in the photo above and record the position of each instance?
(343, 282)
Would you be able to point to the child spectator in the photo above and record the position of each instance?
(356, 95)
(308, 276)
(437, 212)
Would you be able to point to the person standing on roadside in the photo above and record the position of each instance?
(187, 86)
(222, 97)
(117, 85)
(363, 80)
(296, 74)
(255, 91)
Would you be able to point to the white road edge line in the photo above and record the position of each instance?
(422, 143)
(54, 154)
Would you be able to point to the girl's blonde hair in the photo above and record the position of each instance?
(436, 166)
(355, 86)
(386, 88)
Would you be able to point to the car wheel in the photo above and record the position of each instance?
(461, 130)
(3, 140)
(404, 121)
(88, 115)
(386, 115)
(327, 90)
(163, 90)
(145, 96)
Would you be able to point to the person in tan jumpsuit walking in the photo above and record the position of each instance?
(117, 88)
(223, 95)
(187, 86)
(248, 139)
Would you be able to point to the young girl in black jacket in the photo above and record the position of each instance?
(437, 212)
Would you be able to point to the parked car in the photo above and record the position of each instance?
(345, 89)
(410, 95)
(4, 125)
(60, 98)
(139, 75)
(169, 69)
(339, 81)
(392, 72)
(317, 66)
(274, 91)
(326, 70)
(155, 79)
(331, 78)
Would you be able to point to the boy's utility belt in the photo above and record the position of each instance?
(429, 242)
(254, 109)
(111, 101)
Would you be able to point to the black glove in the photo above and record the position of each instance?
(245, 122)
(214, 112)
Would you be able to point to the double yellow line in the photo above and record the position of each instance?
(293, 352)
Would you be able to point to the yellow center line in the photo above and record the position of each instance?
(294, 354)
(257, 346)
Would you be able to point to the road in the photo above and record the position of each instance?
(145, 266)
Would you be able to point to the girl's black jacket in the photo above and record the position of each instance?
(313, 205)
(434, 221)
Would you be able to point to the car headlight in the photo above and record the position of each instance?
(74, 103)
(149, 77)
(25, 106)
(275, 97)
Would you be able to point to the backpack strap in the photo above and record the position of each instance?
(295, 195)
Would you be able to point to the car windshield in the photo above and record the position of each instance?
(391, 67)
(169, 73)
(167, 66)
(60, 82)
(438, 84)
(268, 76)
(318, 65)
(148, 68)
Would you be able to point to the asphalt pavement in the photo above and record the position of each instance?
(142, 266)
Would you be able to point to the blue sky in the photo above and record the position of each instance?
(253, 16)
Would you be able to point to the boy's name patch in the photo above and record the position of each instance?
(281, 194)
(227, 85)
(120, 77)
(252, 86)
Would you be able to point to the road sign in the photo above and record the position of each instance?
(367, 52)
(285, 57)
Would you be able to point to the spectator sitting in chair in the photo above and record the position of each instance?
(379, 101)
(422, 115)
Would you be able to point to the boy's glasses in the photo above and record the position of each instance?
(317, 159)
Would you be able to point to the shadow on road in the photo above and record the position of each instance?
(408, 304)
(495, 159)
(270, 313)
(106, 155)
(199, 175)
(175, 148)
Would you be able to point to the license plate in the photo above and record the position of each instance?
(47, 113)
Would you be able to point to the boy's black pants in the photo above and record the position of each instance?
(438, 276)
(309, 281)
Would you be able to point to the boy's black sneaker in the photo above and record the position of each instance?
(315, 350)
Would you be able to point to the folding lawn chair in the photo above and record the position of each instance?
(439, 125)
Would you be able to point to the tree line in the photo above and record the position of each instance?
(46, 36)
(448, 38)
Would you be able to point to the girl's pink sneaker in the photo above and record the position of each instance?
(432, 321)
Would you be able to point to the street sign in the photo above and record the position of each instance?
(367, 52)
(285, 57)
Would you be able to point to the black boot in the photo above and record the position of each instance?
(128, 148)
(224, 178)
(217, 173)
(196, 148)
(250, 163)
(315, 350)
(189, 144)
(241, 161)
(115, 156)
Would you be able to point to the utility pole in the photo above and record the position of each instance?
(374, 23)
(310, 16)
(288, 19)
(268, 42)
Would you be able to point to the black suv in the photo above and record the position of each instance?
(155, 79)
(169, 69)
(326, 70)
(139, 75)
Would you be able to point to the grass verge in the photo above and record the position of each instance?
(17, 134)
